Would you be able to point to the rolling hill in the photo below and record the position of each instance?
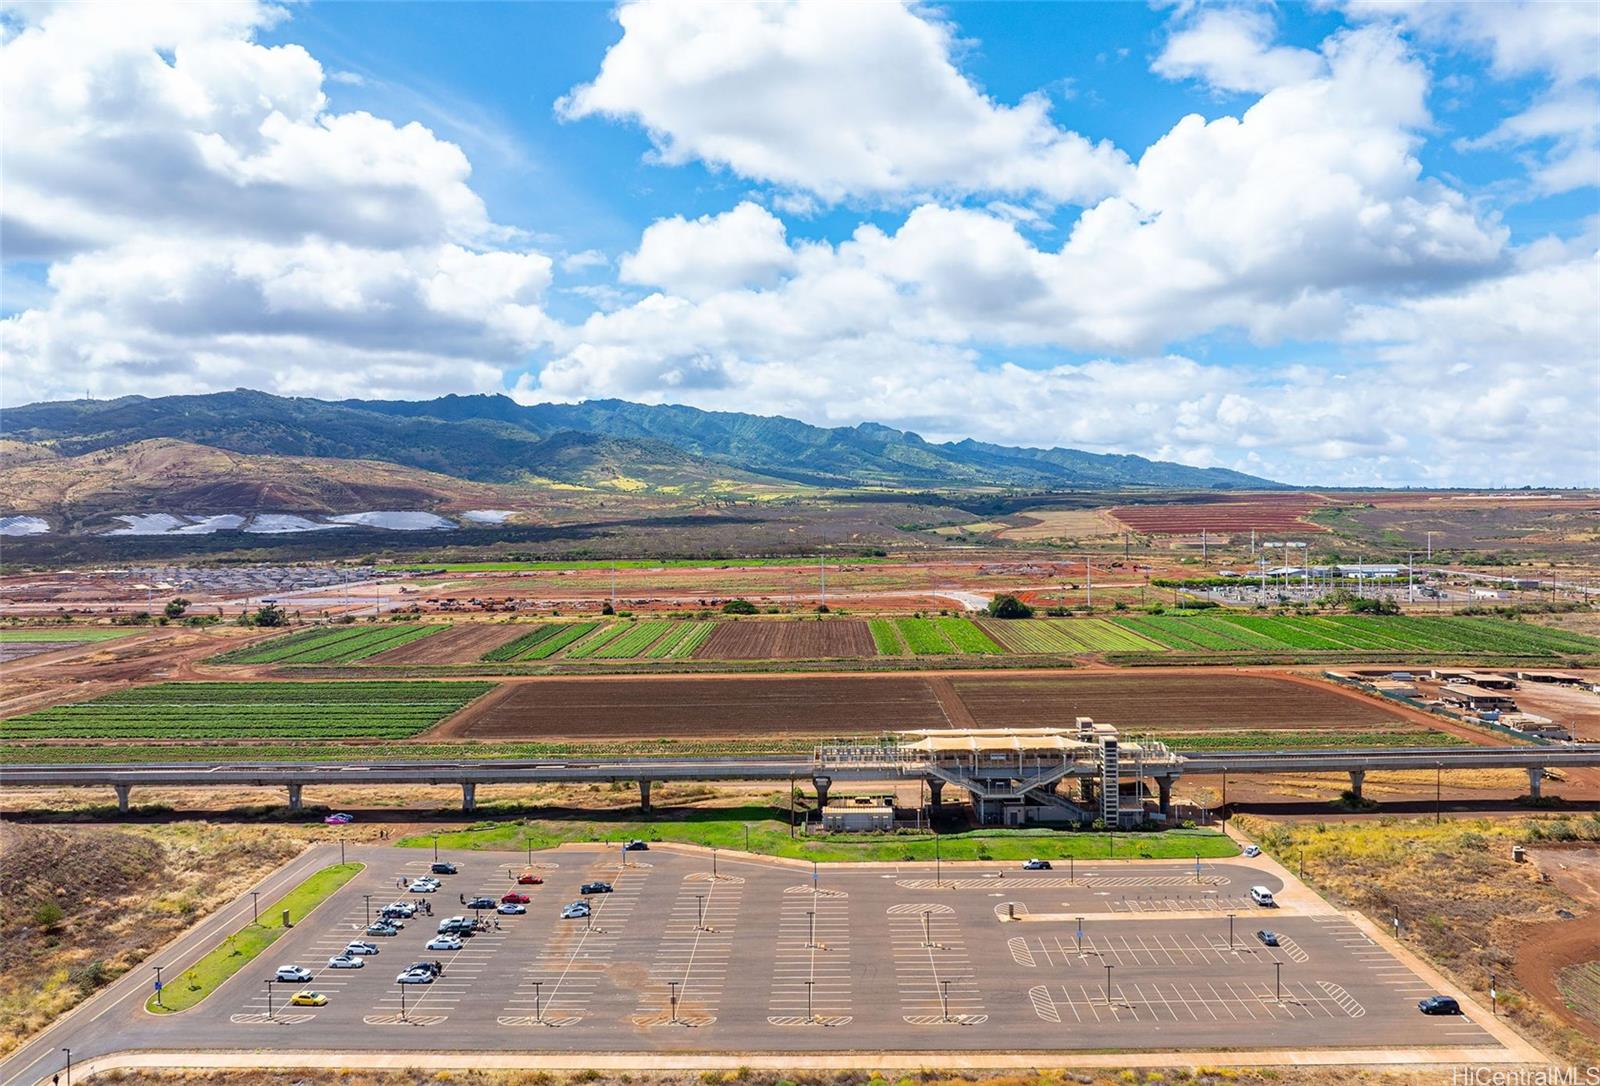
(493, 439)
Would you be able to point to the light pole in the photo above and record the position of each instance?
(747, 837)
(538, 1015)
(1230, 931)
(158, 969)
(368, 899)
(811, 930)
(436, 848)
(68, 1051)
(1080, 936)
(938, 866)
(1494, 995)
(927, 940)
(255, 902)
(1108, 986)
(700, 912)
(1277, 970)
(402, 988)
(341, 852)
(672, 985)
(269, 1000)
(1438, 792)
(944, 998)
(713, 864)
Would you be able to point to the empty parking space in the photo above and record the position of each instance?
(690, 966)
(811, 976)
(933, 970)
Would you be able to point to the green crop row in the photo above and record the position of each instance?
(966, 636)
(517, 646)
(588, 646)
(681, 641)
(923, 637)
(267, 710)
(885, 638)
(639, 636)
(63, 633)
(553, 644)
(329, 645)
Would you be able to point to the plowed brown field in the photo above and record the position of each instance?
(699, 708)
(458, 645)
(788, 640)
(1137, 702)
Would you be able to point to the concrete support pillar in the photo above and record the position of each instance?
(644, 797)
(822, 784)
(1535, 782)
(122, 796)
(1357, 779)
(469, 796)
(294, 796)
(1086, 789)
(1164, 784)
(935, 793)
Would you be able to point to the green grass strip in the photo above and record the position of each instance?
(66, 633)
(923, 637)
(238, 950)
(769, 835)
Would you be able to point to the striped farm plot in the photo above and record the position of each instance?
(1037, 635)
(924, 637)
(681, 640)
(330, 644)
(1354, 633)
(886, 637)
(633, 641)
(286, 710)
(592, 644)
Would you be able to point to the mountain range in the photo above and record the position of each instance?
(495, 441)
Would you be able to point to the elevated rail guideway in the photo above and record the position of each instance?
(994, 766)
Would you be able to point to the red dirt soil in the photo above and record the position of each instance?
(1265, 513)
(461, 644)
(788, 640)
(725, 707)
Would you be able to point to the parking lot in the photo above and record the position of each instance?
(760, 955)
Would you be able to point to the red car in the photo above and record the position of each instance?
(514, 898)
(527, 879)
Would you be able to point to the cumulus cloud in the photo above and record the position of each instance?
(209, 220)
(833, 99)
(1231, 49)
(695, 259)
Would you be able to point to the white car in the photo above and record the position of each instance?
(345, 961)
(414, 976)
(401, 908)
(444, 942)
(360, 948)
(293, 974)
(511, 908)
(1252, 850)
(422, 886)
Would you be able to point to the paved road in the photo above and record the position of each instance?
(755, 957)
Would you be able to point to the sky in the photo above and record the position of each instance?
(1351, 243)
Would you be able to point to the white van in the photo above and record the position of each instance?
(1262, 896)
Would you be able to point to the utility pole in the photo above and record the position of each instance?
(1088, 583)
(822, 576)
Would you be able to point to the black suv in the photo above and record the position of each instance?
(440, 867)
(595, 888)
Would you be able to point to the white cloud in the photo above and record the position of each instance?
(695, 259)
(1557, 39)
(1231, 49)
(210, 223)
(832, 98)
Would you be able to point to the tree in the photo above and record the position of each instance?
(176, 607)
(739, 607)
(1006, 605)
(270, 614)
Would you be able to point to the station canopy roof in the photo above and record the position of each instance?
(1003, 741)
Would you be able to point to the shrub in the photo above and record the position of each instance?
(1006, 605)
(739, 607)
(47, 916)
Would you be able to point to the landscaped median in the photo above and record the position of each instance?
(183, 990)
(765, 830)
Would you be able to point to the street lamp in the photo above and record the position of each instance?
(747, 837)
(713, 863)
(1438, 792)
(538, 1015)
(436, 848)
(68, 1051)
(368, 899)
(269, 999)
(1277, 968)
(672, 985)
(1108, 985)
(944, 998)
(255, 901)
(1230, 931)
(158, 969)
(938, 866)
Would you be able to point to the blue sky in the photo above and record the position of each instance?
(1350, 243)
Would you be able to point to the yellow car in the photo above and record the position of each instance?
(308, 998)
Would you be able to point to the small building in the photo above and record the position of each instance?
(857, 819)
(1476, 698)
(1488, 680)
(1558, 678)
(1488, 594)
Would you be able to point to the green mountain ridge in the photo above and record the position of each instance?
(494, 439)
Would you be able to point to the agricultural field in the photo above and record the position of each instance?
(700, 708)
(249, 710)
(66, 633)
(811, 639)
(465, 643)
(330, 644)
(886, 637)
(1262, 513)
(1041, 635)
(541, 642)
(1215, 632)
(682, 640)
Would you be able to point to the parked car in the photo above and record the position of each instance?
(293, 974)
(514, 898)
(445, 942)
(382, 927)
(414, 976)
(636, 846)
(1037, 865)
(339, 819)
(482, 902)
(511, 908)
(528, 878)
(308, 998)
(402, 909)
(444, 867)
(576, 911)
(1252, 850)
(423, 886)
(1268, 938)
(456, 925)
(595, 888)
(436, 968)
(361, 948)
(346, 961)
(1438, 1004)
(1263, 897)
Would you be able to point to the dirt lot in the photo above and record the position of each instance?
(788, 641)
(1578, 709)
(1267, 512)
(715, 707)
(461, 644)
(1171, 702)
